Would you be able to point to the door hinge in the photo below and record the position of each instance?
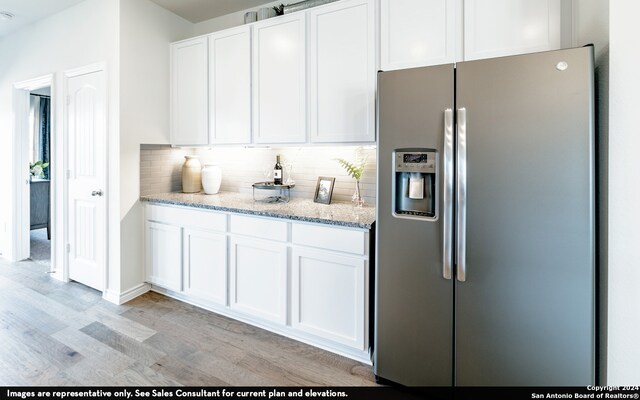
(68, 174)
(68, 247)
(68, 99)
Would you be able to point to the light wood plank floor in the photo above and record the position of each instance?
(55, 333)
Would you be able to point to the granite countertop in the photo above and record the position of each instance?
(336, 213)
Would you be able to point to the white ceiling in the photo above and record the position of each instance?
(29, 11)
(201, 10)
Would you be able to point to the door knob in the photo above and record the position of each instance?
(96, 193)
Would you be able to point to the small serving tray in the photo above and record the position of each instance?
(271, 186)
(282, 196)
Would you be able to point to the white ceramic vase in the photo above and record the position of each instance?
(191, 175)
(211, 178)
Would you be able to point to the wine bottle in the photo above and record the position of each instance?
(277, 172)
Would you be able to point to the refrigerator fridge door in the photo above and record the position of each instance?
(525, 315)
(414, 301)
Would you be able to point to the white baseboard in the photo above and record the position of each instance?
(127, 295)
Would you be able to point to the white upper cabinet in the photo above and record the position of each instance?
(417, 32)
(310, 76)
(189, 109)
(494, 28)
(230, 86)
(342, 72)
(252, 84)
(279, 80)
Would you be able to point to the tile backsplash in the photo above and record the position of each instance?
(161, 168)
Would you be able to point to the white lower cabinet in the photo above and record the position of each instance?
(164, 255)
(205, 265)
(328, 295)
(306, 281)
(259, 278)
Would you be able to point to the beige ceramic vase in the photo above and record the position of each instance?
(191, 175)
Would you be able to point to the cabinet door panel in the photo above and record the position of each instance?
(164, 255)
(230, 86)
(328, 296)
(189, 110)
(279, 72)
(342, 72)
(494, 28)
(259, 278)
(205, 265)
(417, 33)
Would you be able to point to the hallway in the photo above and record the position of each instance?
(40, 247)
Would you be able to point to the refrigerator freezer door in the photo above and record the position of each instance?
(525, 315)
(414, 302)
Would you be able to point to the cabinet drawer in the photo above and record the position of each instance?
(191, 218)
(348, 241)
(259, 227)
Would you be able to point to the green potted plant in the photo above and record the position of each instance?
(36, 169)
(355, 170)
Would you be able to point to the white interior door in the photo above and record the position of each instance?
(86, 119)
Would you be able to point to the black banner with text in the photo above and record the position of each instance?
(351, 393)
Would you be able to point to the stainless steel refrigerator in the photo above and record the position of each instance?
(485, 238)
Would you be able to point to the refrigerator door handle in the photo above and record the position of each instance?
(447, 196)
(461, 196)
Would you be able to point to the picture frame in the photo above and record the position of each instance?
(324, 190)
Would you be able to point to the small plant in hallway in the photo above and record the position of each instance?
(36, 169)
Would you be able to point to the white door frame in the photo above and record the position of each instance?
(20, 245)
(88, 69)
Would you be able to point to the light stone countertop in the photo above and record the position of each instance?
(336, 213)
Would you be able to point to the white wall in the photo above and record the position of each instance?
(623, 353)
(138, 89)
(84, 34)
(612, 27)
(591, 26)
(145, 31)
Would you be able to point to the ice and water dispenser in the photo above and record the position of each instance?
(414, 183)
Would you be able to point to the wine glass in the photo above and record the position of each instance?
(288, 170)
(267, 172)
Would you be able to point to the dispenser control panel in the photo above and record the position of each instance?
(414, 186)
(424, 162)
